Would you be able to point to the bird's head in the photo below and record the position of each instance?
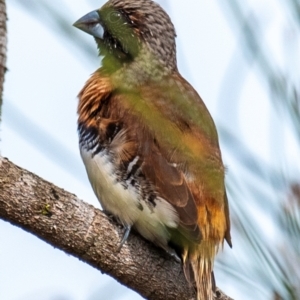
(132, 32)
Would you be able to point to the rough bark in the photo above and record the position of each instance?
(62, 220)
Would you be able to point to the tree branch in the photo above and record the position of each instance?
(3, 42)
(62, 220)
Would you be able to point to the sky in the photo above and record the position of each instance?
(46, 70)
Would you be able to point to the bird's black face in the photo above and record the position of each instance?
(114, 33)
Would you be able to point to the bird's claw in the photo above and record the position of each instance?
(125, 236)
(174, 255)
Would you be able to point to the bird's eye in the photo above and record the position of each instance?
(114, 17)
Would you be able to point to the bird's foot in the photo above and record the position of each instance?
(173, 254)
(127, 229)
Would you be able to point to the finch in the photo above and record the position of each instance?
(148, 142)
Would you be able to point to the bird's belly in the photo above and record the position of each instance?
(152, 222)
(114, 198)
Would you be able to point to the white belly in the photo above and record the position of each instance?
(121, 202)
(126, 204)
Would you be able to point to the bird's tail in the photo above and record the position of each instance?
(198, 267)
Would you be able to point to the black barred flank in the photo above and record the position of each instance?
(89, 138)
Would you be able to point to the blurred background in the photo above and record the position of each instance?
(243, 59)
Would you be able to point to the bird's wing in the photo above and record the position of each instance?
(170, 184)
(177, 143)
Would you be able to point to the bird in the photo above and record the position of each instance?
(149, 144)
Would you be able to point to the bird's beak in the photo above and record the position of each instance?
(90, 23)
